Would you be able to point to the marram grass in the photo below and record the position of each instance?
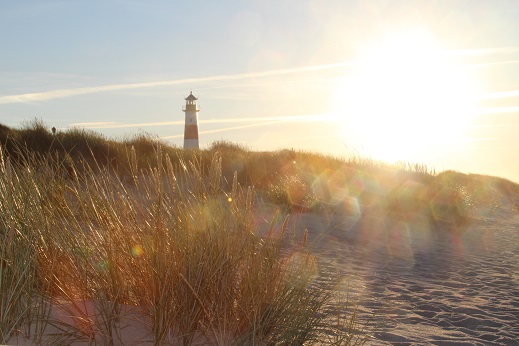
(79, 249)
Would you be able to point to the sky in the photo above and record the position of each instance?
(434, 82)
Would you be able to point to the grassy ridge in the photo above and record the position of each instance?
(303, 180)
(261, 169)
(172, 233)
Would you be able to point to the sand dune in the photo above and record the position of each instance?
(414, 283)
(425, 285)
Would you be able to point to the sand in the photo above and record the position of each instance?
(422, 285)
(414, 284)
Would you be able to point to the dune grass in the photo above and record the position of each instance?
(304, 180)
(95, 232)
(177, 244)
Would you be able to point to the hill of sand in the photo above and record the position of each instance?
(413, 283)
(422, 284)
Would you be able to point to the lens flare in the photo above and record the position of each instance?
(137, 250)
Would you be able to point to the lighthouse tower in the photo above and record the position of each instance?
(191, 127)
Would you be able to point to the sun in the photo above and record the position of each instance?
(406, 100)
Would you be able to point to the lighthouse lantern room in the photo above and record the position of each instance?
(191, 126)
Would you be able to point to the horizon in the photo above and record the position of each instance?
(404, 81)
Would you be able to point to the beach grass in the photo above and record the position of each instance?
(98, 234)
(82, 252)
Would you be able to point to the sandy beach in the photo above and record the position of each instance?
(422, 285)
(412, 283)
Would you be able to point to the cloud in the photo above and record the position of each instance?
(54, 94)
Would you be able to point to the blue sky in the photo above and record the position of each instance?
(276, 74)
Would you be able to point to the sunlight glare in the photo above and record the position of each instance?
(406, 99)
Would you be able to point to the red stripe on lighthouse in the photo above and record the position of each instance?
(191, 132)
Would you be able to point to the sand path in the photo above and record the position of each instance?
(425, 287)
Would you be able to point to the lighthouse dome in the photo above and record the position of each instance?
(191, 97)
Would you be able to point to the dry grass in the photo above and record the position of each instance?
(180, 246)
(94, 232)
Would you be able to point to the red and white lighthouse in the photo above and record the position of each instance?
(191, 127)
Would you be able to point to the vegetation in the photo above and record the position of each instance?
(93, 231)
(83, 250)
(301, 180)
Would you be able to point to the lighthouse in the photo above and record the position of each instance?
(191, 127)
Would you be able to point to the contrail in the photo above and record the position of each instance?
(114, 125)
(95, 124)
(497, 110)
(481, 139)
(490, 64)
(287, 118)
(260, 121)
(501, 95)
(482, 51)
(227, 129)
(62, 93)
(54, 94)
